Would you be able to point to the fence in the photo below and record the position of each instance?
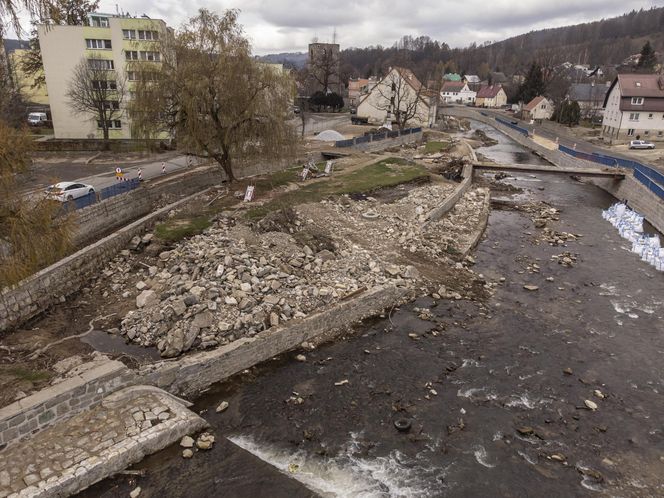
(523, 131)
(105, 193)
(649, 177)
(374, 137)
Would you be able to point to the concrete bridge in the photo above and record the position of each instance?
(537, 168)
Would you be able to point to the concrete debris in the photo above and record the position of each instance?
(222, 407)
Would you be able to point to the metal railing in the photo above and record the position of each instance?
(648, 176)
(376, 136)
(523, 131)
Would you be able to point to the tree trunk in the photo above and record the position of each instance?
(226, 164)
(107, 145)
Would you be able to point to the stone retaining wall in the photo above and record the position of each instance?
(193, 373)
(63, 400)
(99, 219)
(38, 292)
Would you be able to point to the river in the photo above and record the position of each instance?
(497, 396)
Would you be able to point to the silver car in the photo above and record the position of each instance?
(68, 191)
(641, 144)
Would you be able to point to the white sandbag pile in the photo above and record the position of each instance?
(630, 226)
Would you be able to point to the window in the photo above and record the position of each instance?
(129, 34)
(633, 116)
(650, 116)
(637, 100)
(110, 124)
(147, 35)
(660, 133)
(131, 55)
(101, 64)
(646, 132)
(98, 44)
(630, 132)
(132, 75)
(112, 105)
(99, 22)
(104, 85)
(150, 56)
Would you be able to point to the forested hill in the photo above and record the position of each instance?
(605, 42)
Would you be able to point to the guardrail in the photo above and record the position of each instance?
(523, 131)
(649, 177)
(375, 137)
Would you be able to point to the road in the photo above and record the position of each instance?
(553, 132)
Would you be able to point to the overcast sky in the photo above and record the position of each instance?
(290, 25)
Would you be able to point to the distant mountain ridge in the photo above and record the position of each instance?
(295, 60)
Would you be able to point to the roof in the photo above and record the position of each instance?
(489, 92)
(587, 92)
(472, 78)
(409, 77)
(638, 85)
(534, 103)
(499, 77)
(452, 86)
(452, 77)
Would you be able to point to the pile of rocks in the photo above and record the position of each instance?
(231, 282)
(556, 238)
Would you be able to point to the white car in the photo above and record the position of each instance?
(68, 191)
(641, 144)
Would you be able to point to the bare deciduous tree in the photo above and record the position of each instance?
(401, 95)
(323, 67)
(214, 97)
(97, 91)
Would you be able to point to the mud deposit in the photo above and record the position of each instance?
(500, 394)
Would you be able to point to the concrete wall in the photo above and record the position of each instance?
(193, 373)
(65, 399)
(637, 195)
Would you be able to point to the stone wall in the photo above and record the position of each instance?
(193, 373)
(38, 292)
(65, 399)
(100, 219)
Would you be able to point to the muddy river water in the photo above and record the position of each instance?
(495, 391)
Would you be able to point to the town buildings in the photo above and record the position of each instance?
(33, 93)
(399, 97)
(109, 42)
(457, 92)
(491, 96)
(590, 97)
(634, 108)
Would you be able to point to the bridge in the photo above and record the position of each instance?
(618, 174)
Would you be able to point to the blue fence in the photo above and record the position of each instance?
(649, 177)
(523, 131)
(105, 193)
(375, 137)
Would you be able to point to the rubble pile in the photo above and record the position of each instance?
(230, 282)
(566, 259)
(556, 238)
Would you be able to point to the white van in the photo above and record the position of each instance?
(37, 118)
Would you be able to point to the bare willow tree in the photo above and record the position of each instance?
(213, 96)
(402, 96)
(10, 10)
(96, 90)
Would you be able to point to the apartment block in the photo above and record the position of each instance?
(110, 42)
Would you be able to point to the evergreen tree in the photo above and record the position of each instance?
(648, 59)
(533, 85)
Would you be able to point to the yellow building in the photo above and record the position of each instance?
(15, 50)
(113, 43)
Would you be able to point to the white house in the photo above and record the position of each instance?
(634, 108)
(457, 92)
(538, 109)
(398, 97)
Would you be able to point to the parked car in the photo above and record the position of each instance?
(641, 144)
(37, 118)
(67, 191)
